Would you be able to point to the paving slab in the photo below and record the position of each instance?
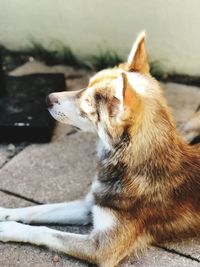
(61, 132)
(182, 99)
(155, 257)
(4, 154)
(8, 201)
(23, 255)
(53, 172)
(7, 151)
(189, 247)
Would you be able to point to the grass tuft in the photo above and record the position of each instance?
(60, 54)
(105, 59)
(156, 69)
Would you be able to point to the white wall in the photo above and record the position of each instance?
(172, 26)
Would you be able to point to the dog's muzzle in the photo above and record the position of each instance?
(51, 100)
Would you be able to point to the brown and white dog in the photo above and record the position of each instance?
(147, 189)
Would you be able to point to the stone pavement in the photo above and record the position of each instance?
(62, 170)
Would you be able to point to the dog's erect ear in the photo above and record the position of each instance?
(137, 60)
(125, 93)
(118, 100)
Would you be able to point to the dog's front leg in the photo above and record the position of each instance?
(74, 212)
(90, 247)
(81, 246)
(110, 241)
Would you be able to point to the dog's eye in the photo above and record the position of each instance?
(88, 102)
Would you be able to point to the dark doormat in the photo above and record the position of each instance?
(23, 113)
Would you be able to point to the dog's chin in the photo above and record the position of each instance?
(60, 118)
(63, 120)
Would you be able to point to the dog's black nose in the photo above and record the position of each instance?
(51, 100)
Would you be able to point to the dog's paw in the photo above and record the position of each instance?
(5, 214)
(9, 231)
(18, 232)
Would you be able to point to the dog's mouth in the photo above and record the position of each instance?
(58, 116)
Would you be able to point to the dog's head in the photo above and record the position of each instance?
(113, 101)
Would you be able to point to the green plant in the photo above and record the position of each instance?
(156, 68)
(39, 52)
(105, 59)
(61, 54)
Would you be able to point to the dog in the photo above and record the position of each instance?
(147, 190)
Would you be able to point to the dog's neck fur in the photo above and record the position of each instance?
(149, 157)
(154, 147)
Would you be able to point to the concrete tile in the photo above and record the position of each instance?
(182, 99)
(53, 172)
(155, 257)
(190, 247)
(8, 201)
(7, 151)
(4, 154)
(21, 255)
(61, 132)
